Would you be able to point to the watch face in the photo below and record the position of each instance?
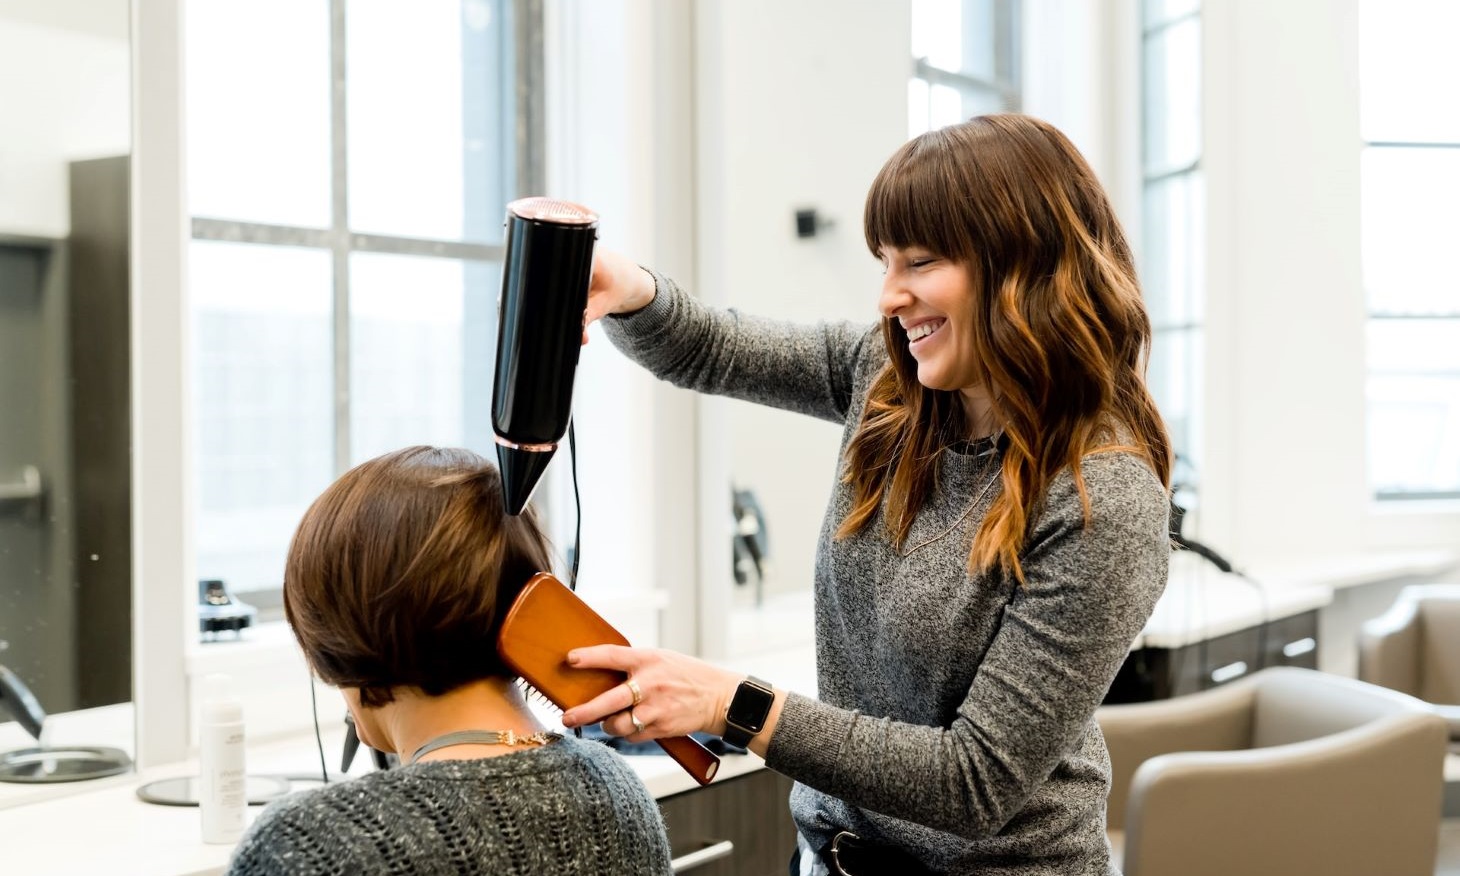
(750, 707)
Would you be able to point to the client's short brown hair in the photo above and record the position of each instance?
(401, 571)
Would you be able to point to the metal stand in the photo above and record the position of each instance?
(48, 765)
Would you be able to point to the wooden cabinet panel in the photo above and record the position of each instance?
(749, 811)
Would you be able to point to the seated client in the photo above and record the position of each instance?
(396, 584)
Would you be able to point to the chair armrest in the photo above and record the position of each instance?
(1439, 651)
(1389, 648)
(1451, 714)
(1214, 720)
(1363, 801)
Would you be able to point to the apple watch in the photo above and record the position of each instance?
(748, 711)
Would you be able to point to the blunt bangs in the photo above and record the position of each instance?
(913, 201)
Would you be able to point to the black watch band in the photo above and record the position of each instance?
(749, 709)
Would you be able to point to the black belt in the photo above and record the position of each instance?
(848, 855)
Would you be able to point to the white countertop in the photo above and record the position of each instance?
(1201, 602)
(105, 828)
(101, 826)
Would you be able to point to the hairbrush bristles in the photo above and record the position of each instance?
(536, 695)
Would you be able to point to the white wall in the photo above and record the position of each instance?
(102, 18)
(1286, 314)
(798, 105)
(64, 95)
(619, 141)
(1065, 72)
(696, 130)
(1081, 74)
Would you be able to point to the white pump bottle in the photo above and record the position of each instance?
(221, 788)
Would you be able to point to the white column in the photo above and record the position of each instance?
(163, 615)
(1285, 364)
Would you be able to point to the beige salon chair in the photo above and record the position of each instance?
(1287, 772)
(1414, 648)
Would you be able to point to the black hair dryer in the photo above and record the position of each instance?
(545, 278)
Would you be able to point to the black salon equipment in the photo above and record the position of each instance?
(381, 759)
(750, 544)
(545, 276)
(1185, 542)
(46, 764)
(18, 702)
(220, 611)
(1183, 496)
(809, 223)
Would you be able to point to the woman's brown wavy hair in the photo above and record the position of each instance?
(1062, 341)
(401, 571)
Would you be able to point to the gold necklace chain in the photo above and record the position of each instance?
(967, 511)
(482, 737)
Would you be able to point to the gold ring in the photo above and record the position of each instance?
(638, 725)
(634, 691)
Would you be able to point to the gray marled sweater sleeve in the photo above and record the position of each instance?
(806, 369)
(1089, 590)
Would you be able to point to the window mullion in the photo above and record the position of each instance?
(1400, 316)
(1154, 178)
(531, 111)
(922, 69)
(340, 235)
(1008, 59)
(1410, 144)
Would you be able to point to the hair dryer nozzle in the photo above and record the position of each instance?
(521, 470)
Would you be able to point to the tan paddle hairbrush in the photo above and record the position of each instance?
(548, 620)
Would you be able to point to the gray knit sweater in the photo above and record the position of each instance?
(570, 807)
(956, 712)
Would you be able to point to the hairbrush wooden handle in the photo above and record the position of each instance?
(697, 760)
(545, 622)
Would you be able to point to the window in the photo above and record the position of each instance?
(347, 201)
(1410, 121)
(1174, 223)
(965, 61)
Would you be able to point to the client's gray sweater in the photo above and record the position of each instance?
(955, 717)
(570, 807)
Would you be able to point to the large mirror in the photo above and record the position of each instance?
(65, 528)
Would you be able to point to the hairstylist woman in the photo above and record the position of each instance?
(997, 536)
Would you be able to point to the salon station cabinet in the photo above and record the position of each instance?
(739, 826)
(1212, 627)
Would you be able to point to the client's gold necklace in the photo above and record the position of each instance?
(481, 737)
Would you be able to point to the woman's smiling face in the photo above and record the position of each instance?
(932, 298)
